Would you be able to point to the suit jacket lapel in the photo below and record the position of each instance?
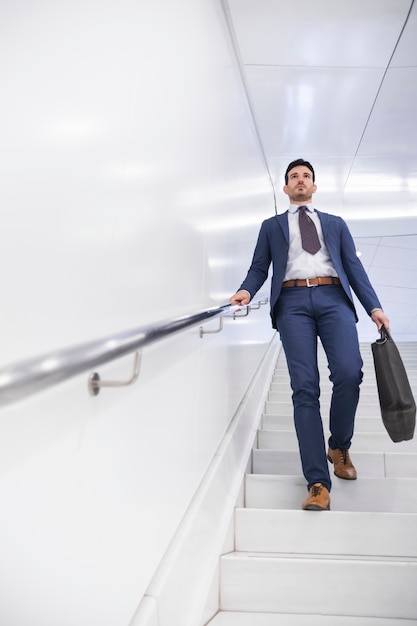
(324, 221)
(282, 220)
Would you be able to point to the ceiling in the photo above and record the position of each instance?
(336, 83)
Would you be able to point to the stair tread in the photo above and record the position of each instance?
(365, 494)
(236, 618)
(304, 556)
(368, 464)
(368, 423)
(290, 531)
(362, 441)
(344, 586)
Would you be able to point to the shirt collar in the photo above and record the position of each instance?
(293, 208)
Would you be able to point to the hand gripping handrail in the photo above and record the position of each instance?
(25, 378)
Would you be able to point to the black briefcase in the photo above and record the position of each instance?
(398, 408)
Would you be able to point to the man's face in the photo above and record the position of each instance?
(300, 186)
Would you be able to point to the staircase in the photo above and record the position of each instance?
(354, 565)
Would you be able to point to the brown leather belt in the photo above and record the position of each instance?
(311, 282)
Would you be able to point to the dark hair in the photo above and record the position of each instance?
(296, 163)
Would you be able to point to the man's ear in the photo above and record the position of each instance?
(285, 189)
(314, 188)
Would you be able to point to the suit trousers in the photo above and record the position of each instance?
(304, 314)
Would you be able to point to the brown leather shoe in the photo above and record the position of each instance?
(318, 500)
(343, 466)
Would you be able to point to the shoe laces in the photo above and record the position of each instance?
(316, 490)
(345, 456)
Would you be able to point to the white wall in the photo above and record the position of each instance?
(132, 189)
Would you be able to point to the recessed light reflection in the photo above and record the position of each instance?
(251, 343)
(379, 212)
(111, 344)
(230, 190)
(214, 263)
(221, 296)
(230, 223)
(5, 379)
(374, 183)
(49, 364)
(73, 129)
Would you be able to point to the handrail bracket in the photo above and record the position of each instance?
(95, 383)
(211, 332)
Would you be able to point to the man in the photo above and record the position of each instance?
(314, 267)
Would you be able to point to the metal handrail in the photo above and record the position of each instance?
(25, 378)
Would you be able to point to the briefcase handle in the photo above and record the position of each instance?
(384, 334)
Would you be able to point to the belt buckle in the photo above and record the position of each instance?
(308, 283)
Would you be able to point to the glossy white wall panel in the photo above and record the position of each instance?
(299, 107)
(385, 258)
(389, 261)
(408, 241)
(406, 52)
(116, 148)
(131, 176)
(318, 33)
(393, 111)
(367, 251)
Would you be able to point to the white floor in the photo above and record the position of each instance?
(354, 565)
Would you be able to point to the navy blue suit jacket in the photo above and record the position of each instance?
(272, 247)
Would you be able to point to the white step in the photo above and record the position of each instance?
(368, 464)
(232, 618)
(285, 407)
(334, 532)
(369, 378)
(361, 442)
(368, 368)
(397, 495)
(379, 587)
(281, 383)
(286, 422)
(278, 391)
(276, 462)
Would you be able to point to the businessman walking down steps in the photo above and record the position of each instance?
(315, 265)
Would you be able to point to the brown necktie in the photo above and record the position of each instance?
(309, 237)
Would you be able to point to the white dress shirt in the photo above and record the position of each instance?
(302, 264)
